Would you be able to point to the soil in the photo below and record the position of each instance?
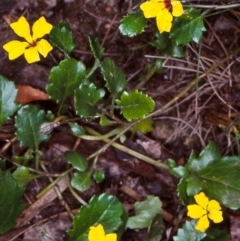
(207, 112)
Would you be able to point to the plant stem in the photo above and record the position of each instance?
(53, 183)
(74, 193)
(126, 150)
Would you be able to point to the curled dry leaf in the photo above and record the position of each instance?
(27, 94)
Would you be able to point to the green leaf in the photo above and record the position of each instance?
(216, 234)
(218, 177)
(188, 27)
(114, 76)
(143, 126)
(182, 191)
(2, 164)
(145, 213)
(133, 24)
(61, 37)
(85, 98)
(104, 121)
(23, 176)
(28, 122)
(81, 181)
(189, 233)
(156, 229)
(11, 204)
(77, 160)
(122, 227)
(98, 176)
(104, 209)
(65, 78)
(179, 171)
(25, 158)
(167, 46)
(77, 129)
(8, 94)
(135, 105)
(209, 154)
(95, 47)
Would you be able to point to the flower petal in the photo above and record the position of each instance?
(213, 205)
(15, 48)
(202, 224)
(216, 216)
(22, 29)
(40, 28)
(195, 211)
(177, 8)
(96, 233)
(201, 200)
(151, 9)
(214, 211)
(164, 20)
(111, 237)
(44, 47)
(31, 55)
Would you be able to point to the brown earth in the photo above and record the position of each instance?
(208, 111)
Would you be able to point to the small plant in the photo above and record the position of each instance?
(207, 183)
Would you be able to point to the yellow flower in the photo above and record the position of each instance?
(161, 10)
(203, 210)
(33, 46)
(98, 234)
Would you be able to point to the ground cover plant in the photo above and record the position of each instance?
(119, 120)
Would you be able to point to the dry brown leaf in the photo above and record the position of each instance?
(27, 94)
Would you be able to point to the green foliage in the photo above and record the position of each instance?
(216, 234)
(135, 105)
(98, 176)
(96, 48)
(10, 200)
(76, 129)
(104, 209)
(77, 160)
(104, 121)
(188, 27)
(156, 228)
(23, 176)
(167, 46)
(65, 78)
(114, 77)
(25, 158)
(2, 164)
(8, 94)
(144, 126)
(216, 176)
(28, 122)
(61, 37)
(81, 181)
(189, 233)
(145, 213)
(85, 98)
(133, 24)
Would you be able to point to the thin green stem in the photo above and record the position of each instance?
(147, 77)
(94, 163)
(128, 151)
(92, 70)
(74, 193)
(101, 137)
(226, 6)
(53, 183)
(37, 156)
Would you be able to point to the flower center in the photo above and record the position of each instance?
(167, 4)
(33, 44)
